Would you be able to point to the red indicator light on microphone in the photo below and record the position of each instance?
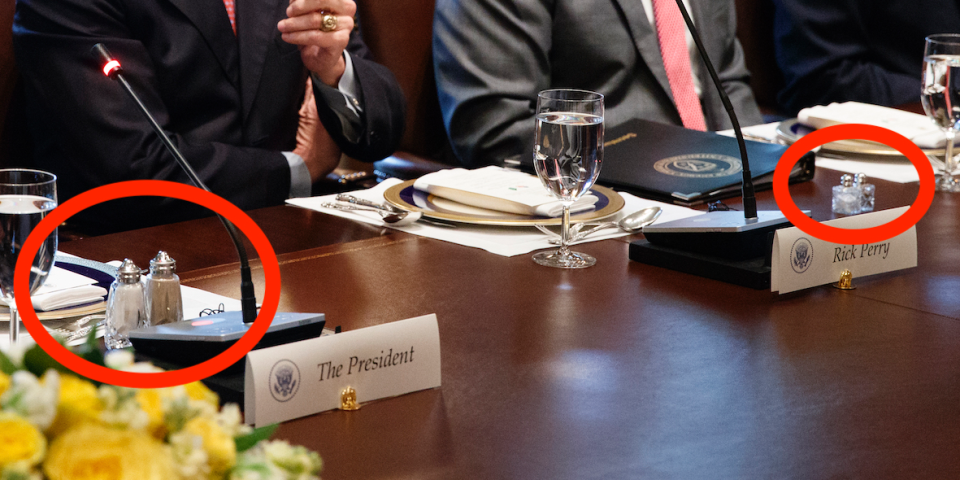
(201, 323)
(111, 67)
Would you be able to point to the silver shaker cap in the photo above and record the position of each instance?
(846, 180)
(128, 272)
(163, 264)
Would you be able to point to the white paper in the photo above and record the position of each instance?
(802, 261)
(196, 300)
(307, 377)
(523, 192)
(505, 241)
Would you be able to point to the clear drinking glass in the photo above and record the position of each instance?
(940, 96)
(26, 196)
(567, 153)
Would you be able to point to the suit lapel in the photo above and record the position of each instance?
(645, 39)
(256, 29)
(214, 25)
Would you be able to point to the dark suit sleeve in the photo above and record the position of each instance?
(382, 105)
(491, 58)
(91, 133)
(726, 53)
(824, 51)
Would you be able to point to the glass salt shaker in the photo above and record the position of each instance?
(162, 291)
(867, 193)
(125, 309)
(846, 197)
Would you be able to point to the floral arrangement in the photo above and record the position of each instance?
(58, 426)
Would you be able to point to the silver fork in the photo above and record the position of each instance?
(83, 327)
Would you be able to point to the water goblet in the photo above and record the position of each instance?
(26, 196)
(567, 154)
(940, 96)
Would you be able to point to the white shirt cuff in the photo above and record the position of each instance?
(300, 185)
(348, 85)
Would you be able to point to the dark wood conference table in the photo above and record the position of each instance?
(622, 370)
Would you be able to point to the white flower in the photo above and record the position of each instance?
(121, 409)
(189, 456)
(229, 419)
(16, 352)
(297, 462)
(178, 408)
(118, 359)
(277, 460)
(32, 399)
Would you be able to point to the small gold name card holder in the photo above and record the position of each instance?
(341, 371)
(801, 261)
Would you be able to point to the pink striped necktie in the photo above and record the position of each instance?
(671, 32)
(232, 13)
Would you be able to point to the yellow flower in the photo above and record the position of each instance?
(151, 401)
(78, 403)
(20, 441)
(4, 383)
(199, 391)
(219, 445)
(92, 451)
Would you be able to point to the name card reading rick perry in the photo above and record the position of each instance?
(299, 379)
(801, 261)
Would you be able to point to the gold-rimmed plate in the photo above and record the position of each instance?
(789, 131)
(404, 196)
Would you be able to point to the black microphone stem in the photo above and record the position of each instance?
(248, 299)
(748, 192)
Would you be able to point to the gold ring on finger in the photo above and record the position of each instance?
(328, 22)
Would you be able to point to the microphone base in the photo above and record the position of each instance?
(751, 272)
(724, 235)
(190, 342)
(721, 246)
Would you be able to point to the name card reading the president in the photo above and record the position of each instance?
(307, 377)
(801, 261)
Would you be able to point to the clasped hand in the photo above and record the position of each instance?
(321, 51)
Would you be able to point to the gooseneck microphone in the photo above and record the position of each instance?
(723, 234)
(248, 299)
(747, 190)
(178, 344)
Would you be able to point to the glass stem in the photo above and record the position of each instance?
(14, 323)
(948, 159)
(564, 230)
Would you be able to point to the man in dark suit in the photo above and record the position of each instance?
(855, 50)
(492, 57)
(225, 81)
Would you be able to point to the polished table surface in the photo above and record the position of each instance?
(622, 370)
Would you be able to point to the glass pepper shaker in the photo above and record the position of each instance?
(125, 309)
(846, 197)
(162, 291)
(867, 193)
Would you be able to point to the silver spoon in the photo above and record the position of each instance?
(631, 223)
(396, 219)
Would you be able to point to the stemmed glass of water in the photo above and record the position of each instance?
(567, 153)
(940, 96)
(26, 196)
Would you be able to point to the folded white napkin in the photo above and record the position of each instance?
(497, 188)
(63, 289)
(505, 241)
(917, 128)
(70, 297)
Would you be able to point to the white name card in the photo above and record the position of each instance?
(801, 261)
(303, 378)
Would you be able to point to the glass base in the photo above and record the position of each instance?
(570, 260)
(948, 184)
